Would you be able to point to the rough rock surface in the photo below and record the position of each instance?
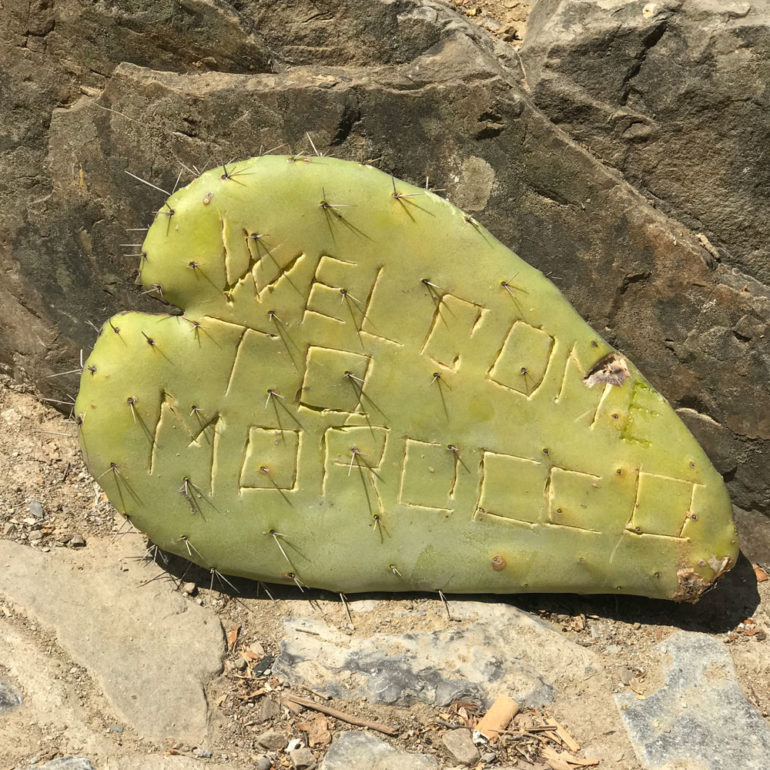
(674, 95)
(686, 722)
(69, 763)
(91, 91)
(154, 680)
(353, 749)
(494, 648)
(9, 698)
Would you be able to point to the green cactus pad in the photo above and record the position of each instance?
(367, 391)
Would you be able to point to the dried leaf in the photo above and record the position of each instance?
(317, 729)
(761, 574)
(232, 637)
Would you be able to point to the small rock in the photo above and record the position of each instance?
(256, 649)
(303, 759)
(263, 763)
(240, 663)
(295, 743)
(189, 589)
(264, 665)
(274, 740)
(36, 509)
(202, 753)
(269, 708)
(352, 749)
(489, 757)
(35, 535)
(9, 698)
(460, 746)
(115, 728)
(77, 541)
(626, 675)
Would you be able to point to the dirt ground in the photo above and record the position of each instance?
(40, 466)
(506, 19)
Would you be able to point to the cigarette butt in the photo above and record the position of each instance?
(498, 717)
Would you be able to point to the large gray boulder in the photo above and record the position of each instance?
(92, 90)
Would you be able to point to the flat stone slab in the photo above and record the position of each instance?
(353, 749)
(699, 718)
(492, 649)
(149, 650)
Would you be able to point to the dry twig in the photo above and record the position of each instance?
(349, 718)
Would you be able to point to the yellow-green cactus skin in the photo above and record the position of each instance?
(367, 391)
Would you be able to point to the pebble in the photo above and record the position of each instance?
(263, 763)
(460, 746)
(202, 753)
(240, 663)
(9, 698)
(68, 763)
(189, 589)
(36, 509)
(264, 666)
(77, 541)
(303, 759)
(269, 708)
(115, 728)
(274, 740)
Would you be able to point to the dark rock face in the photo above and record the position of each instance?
(92, 90)
(674, 95)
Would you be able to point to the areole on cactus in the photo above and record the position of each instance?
(367, 391)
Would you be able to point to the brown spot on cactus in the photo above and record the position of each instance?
(498, 563)
(390, 322)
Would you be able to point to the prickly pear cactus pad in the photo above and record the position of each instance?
(367, 391)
